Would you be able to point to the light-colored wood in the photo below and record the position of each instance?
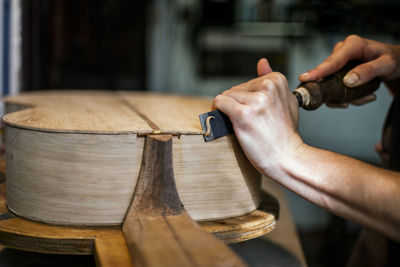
(242, 228)
(210, 186)
(157, 229)
(65, 178)
(62, 170)
(108, 244)
(106, 112)
(15, 230)
(75, 111)
(183, 111)
(111, 250)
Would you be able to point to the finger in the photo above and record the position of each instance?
(254, 84)
(227, 105)
(364, 100)
(351, 48)
(263, 67)
(363, 73)
(242, 97)
(337, 46)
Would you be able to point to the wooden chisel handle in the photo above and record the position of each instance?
(311, 95)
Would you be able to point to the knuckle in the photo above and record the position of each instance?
(243, 113)
(259, 98)
(225, 92)
(352, 38)
(391, 61)
(217, 100)
(279, 76)
(268, 84)
(339, 44)
(235, 87)
(279, 81)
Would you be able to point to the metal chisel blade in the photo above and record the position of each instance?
(215, 124)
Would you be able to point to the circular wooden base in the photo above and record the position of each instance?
(108, 244)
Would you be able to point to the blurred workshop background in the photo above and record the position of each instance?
(202, 48)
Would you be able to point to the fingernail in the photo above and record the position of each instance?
(304, 75)
(350, 79)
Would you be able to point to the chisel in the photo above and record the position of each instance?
(310, 95)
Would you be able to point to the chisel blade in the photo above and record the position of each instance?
(215, 124)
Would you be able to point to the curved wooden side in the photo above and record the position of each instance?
(88, 179)
(108, 244)
(61, 176)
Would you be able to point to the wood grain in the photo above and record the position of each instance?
(222, 177)
(246, 227)
(183, 111)
(108, 244)
(81, 157)
(15, 230)
(78, 112)
(157, 229)
(67, 178)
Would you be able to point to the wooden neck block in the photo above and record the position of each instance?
(157, 229)
(155, 192)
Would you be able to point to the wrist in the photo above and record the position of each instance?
(276, 166)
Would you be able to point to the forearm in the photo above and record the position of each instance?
(345, 186)
(264, 114)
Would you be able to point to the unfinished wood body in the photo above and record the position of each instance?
(73, 158)
(108, 244)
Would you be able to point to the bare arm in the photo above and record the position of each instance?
(357, 191)
(264, 114)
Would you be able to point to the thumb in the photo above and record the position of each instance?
(263, 67)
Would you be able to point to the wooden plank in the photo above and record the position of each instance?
(111, 250)
(214, 179)
(157, 229)
(64, 178)
(91, 112)
(171, 113)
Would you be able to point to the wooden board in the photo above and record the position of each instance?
(73, 158)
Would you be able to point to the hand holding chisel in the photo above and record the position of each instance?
(264, 113)
(311, 95)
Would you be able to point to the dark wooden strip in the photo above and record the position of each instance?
(143, 116)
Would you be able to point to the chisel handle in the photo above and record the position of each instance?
(311, 95)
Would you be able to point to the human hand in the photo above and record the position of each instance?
(381, 60)
(264, 114)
